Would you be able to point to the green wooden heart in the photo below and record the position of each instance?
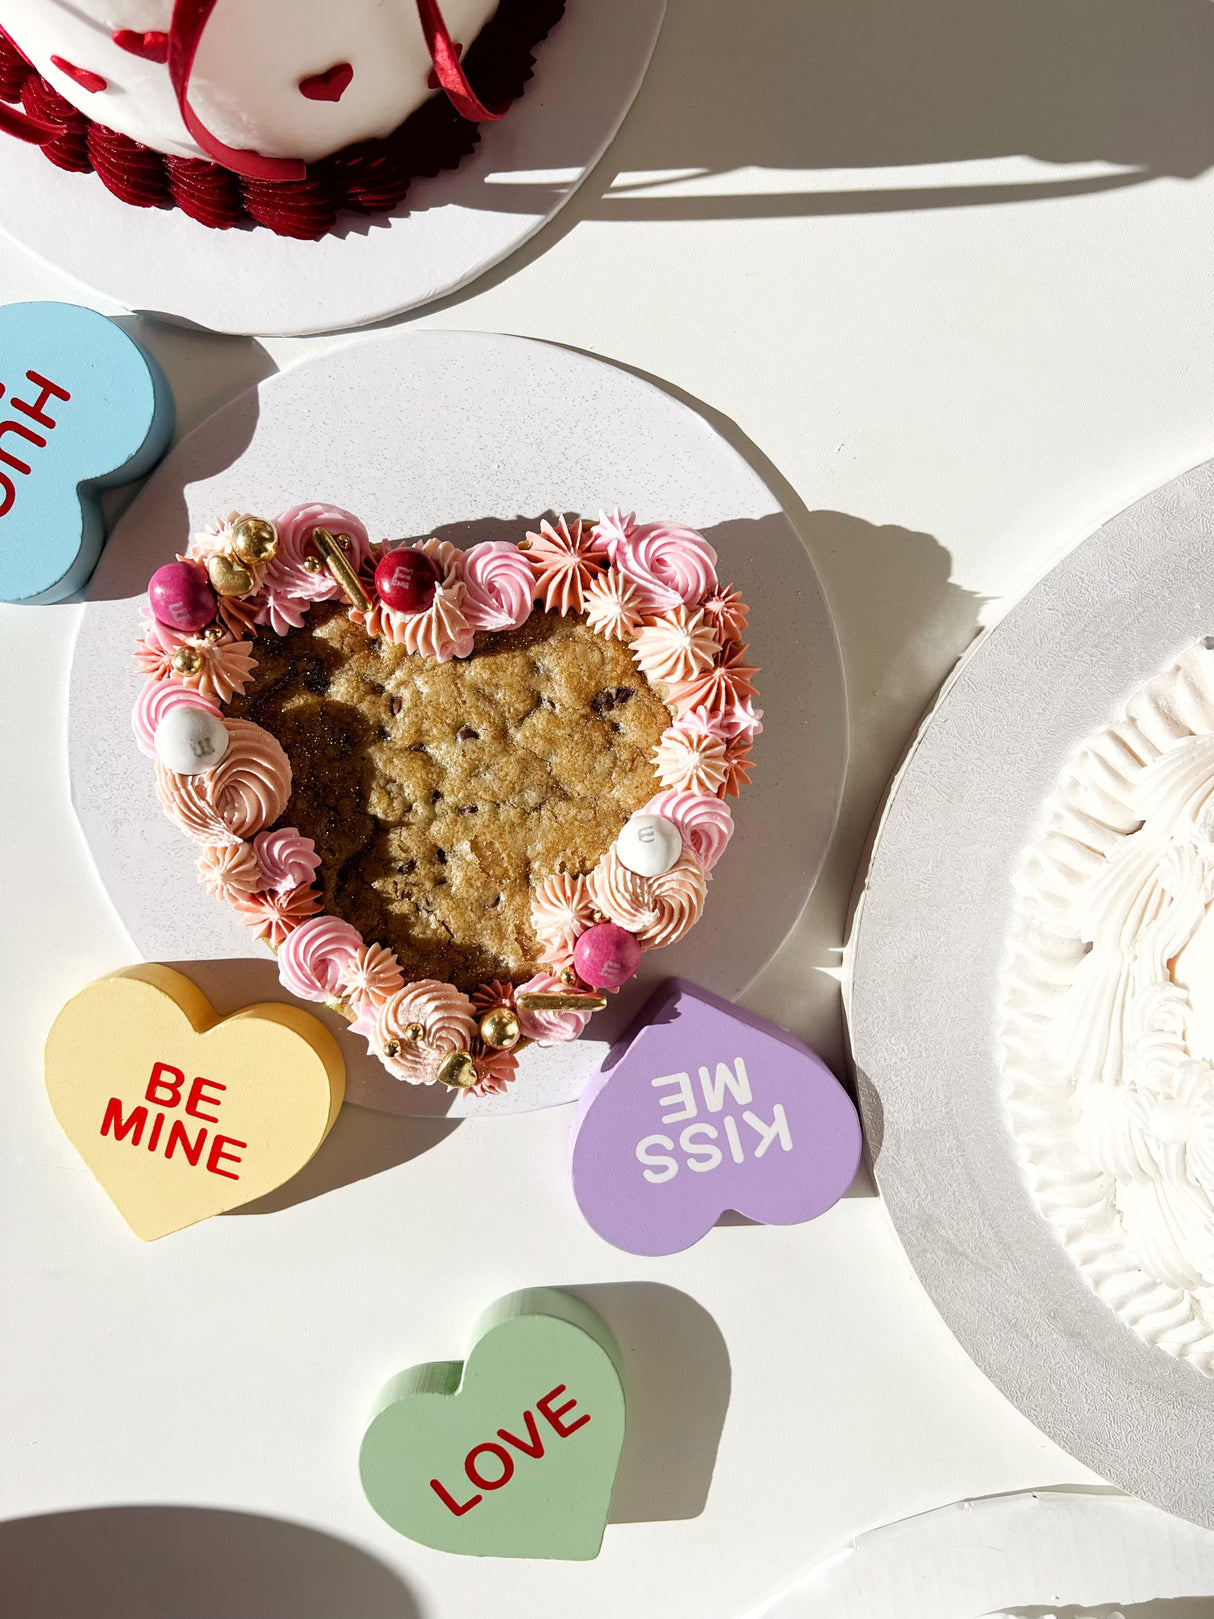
(513, 1452)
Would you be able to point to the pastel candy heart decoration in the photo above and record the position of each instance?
(512, 1453)
(700, 1108)
(82, 408)
(181, 1114)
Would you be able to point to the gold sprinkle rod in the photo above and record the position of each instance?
(338, 563)
(560, 1003)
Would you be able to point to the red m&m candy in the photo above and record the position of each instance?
(405, 580)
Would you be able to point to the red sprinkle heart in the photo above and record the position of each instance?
(152, 46)
(83, 76)
(330, 85)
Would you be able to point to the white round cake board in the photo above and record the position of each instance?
(470, 437)
(928, 947)
(448, 230)
(1041, 1550)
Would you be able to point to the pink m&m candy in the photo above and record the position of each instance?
(180, 595)
(405, 580)
(606, 956)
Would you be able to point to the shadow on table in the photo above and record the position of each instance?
(676, 1370)
(150, 1562)
(201, 385)
(788, 85)
(810, 84)
(363, 1142)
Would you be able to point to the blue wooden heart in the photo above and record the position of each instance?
(82, 408)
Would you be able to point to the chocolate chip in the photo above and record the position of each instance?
(314, 675)
(467, 734)
(398, 703)
(603, 703)
(623, 693)
(442, 856)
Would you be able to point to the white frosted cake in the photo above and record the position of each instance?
(108, 58)
(284, 113)
(1108, 1012)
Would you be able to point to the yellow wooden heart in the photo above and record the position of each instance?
(181, 1114)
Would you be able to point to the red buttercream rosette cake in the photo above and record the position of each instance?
(479, 784)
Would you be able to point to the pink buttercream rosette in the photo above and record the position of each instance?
(442, 631)
(290, 586)
(653, 585)
(498, 586)
(550, 1028)
(668, 566)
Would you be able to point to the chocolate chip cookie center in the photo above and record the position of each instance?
(436, 794)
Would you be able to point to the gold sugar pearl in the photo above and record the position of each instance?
(597, 916)
(391, 1049)
(187, 660)
(313, 564)
(457, 1071)
(229, 577)
(500, 1028)
(213, 633)
(255, 541)
(524, 545)
(415, 1032)
(568, 976)
(343, 540)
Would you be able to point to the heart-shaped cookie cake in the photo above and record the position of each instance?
(458, 793)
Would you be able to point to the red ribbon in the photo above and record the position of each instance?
(25, 128)
(444, 53)
(185, 34)
(190, 17)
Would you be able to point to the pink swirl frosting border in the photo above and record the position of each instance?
(652, 584)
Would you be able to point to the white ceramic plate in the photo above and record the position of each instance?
(469, 436)
(929, 944)
(448, 231)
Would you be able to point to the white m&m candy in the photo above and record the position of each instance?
(190, 741)
(649, 845)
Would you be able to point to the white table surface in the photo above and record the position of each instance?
(943, 272)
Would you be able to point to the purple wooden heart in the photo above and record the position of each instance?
(699, 1108)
